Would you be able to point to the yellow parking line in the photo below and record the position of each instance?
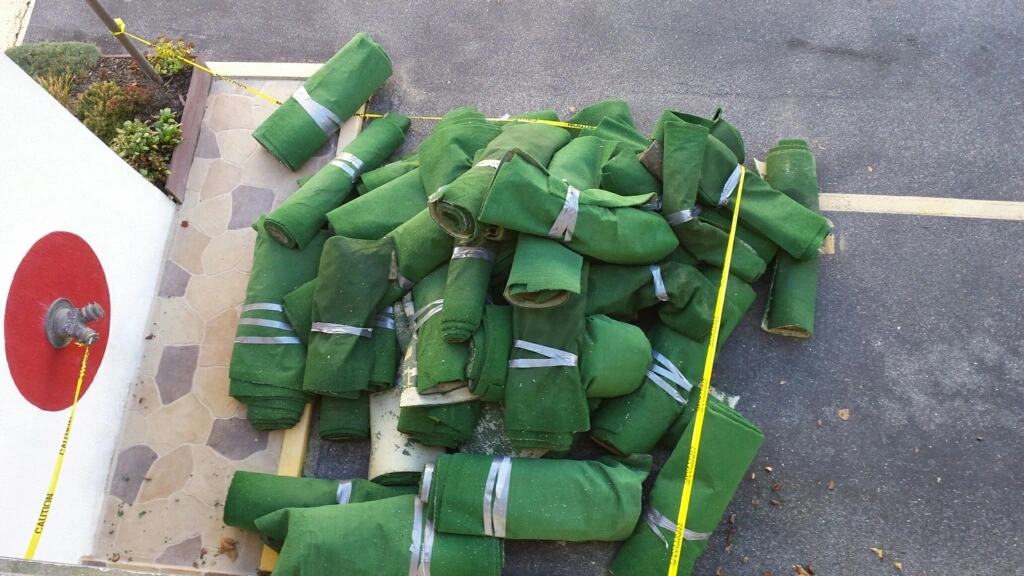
(922, 206)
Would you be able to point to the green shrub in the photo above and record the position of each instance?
(147, 148)
(104, 106)
(56, 58)
(166, 55)
(58, 86)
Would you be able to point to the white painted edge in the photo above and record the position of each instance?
(264, 69)
(922, 206)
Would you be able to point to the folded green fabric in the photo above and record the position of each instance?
(716, 126)
(707, 243)
(633, 424)
(745, 236)
(614, 357)
(456, 207)
(536, 499)
(683, 146)
(625, 175)
(545, 403)
(385, 351)
(449, 150)
(300, 126)
(382, 210)
(380, 176)
(603, 226)
(489, 350)
(621, 132)
(373, 539)
(469, 274)
(352, 280)
(420, 247)
(342, 419)
(685, 299)
(790, 309)
(544, 273)
(579, 162)
(252, 495)
(298, 309)
(445, 425)
(268, 359)
(439, 362)
(298, 218)
(728, 445)
(592, 115)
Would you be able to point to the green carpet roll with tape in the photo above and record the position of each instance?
(381, 210)
(304, 213)
(469, 274)
(489, 350)
(307, 119)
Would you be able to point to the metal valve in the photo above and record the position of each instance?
(65, 323)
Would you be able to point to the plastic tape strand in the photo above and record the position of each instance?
(268, 340)
(472, 252)
(330, 328)
(565, 223)
(683, 216)
(268, 306)
(553, 357)
(344, 491)
(659, 283)
(267, 324)
(327, 121)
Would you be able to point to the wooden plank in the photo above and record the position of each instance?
(191, 123)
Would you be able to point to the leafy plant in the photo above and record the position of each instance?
(147, 148)
(56, 58)
(104, 106)
(58, 86)
(167, 54)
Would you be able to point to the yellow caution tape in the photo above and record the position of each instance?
(705, 385)
(45, 512)
(558, 123)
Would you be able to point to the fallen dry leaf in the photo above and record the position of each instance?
(768, 573)
(732, 518)
(819, 423)
(719, 572)
(753, 475)
(768, 469)
(775, 502)
(878, 552)
(844, 414)
(777, 487)
(831, 485)
(184, 223)
(870, 169)
(800, 570)
(898, 565)
(115, 557)
(980, 438)
(227, 547)
(782, 381)
(745, 560)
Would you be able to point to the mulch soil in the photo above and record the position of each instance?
(125, 72)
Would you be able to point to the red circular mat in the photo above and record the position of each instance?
(58, 265)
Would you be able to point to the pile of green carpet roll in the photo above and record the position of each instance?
(566, 274)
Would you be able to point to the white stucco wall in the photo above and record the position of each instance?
(55, 175)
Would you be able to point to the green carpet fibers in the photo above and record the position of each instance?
(380, 176)
(334, 93)
(746, 237)
(728, 447)
(352, 281)
(456, 207)
(268, 358)
(381, 210)
(614, 357)
(449, 150)
(438, 361)
(591, 222)
(420, 247)
(342, 419)
(790, 310)
(298, 308)
(298, 218)
(707, 244)
(545, 403)
(537, 499)
(715, 126)
(469, 274)
(373, 539)
(252, 495)
(592, 115)
(385, 351)
(544, 273)
(489, 349)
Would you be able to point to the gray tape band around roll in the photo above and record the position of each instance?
(417, 537)
(420, 317)
(472, 252)
(348, 168)
(656, 520)
(553, 357)
(428, 479)
(344, 491)
(565, 223)
(269, 306)
(267, 324)
(403, 282)
(730, 185)
(351, 159)
(268, 340)
(667, 377)
(683, 216)
(492, 475)
(659, 283)
(327, 121)
(329, 328)
(501, 489)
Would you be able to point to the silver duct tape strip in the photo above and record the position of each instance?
(659, 283)
(666, 388)
(553, 357)
(666, 368)
(344, 491)
(501, 489)
(327, 121)
(652, 206)
(656, 520)
(415, 550)
(565, 223)
(730, 185)
(427, 550)
(267, 324)
(352, 172)
(269, 306)
(472, 252)
(428, 479)
(488, 164)
(420, 317)
(683, 216)
(351, 159)
(488, 510)
(329, 328)
(384, 321)
(268, 340)
(403, 282)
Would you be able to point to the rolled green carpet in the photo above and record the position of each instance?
(619, 131)
(592, 222)
(715, 126)
(449, 150)
(380, 211)
(728, 445)
(342, 419)
(373, 539)
(352, 280)
(268, 358)
(300, 126)
(456, 206)
(612, 108)
(385, 351)
(440, 364)
(579, 162)
(252, 494)
(614, 357)
(469, 274)
(535, 499)
(298, 218)
(545, 403)
(745, 236)
(707, 243)
(790, 309)
(544, 273)
(380, 176)
(489, 350)
(625, 175)
(298, 309)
